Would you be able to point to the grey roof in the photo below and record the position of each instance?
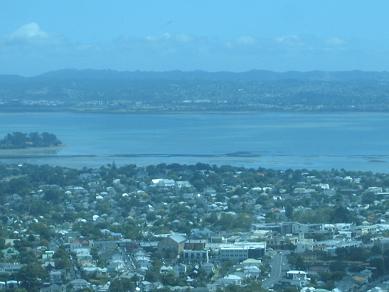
(177, 238)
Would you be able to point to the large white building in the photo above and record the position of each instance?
(240, 251)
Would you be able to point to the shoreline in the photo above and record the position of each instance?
(195, 112)
(94, 161)
(30, 151)
(47, 153)
(356, 163)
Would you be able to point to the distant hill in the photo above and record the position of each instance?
(254, 75)
(255, 89)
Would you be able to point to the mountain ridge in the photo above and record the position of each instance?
(253, 75)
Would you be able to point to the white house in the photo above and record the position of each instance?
(298, 278)
(231, 280)
(161, 182)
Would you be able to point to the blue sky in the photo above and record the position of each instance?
(42, 35)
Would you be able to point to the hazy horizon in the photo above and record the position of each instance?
(191, 71)
(193, 35)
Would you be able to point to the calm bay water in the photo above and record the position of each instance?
(357, 141)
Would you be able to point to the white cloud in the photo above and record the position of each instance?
(184, 38)
(241, 42)
(165, 37)
(290, 40)
(157, 38)
(336, 41)
(31, 48)
(246, 40)
(28, 32)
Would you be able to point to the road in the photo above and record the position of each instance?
(278, 264)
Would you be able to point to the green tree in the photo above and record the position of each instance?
(62, 258)
(42, 229)
(54, 195)
(122, 285)
(31, 276)
(289, 211)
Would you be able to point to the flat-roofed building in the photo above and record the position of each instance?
(241, 251)
(196, 256)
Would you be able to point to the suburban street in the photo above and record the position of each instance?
(278, 264)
